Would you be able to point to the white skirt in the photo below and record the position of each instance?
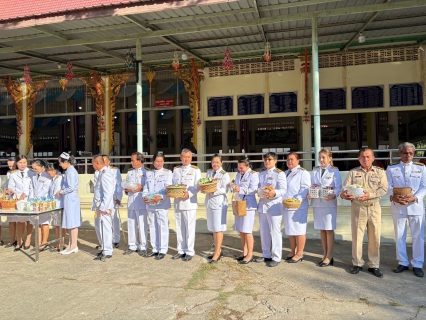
(295, 221)
(216, 219)
(245, 224)
(325, 218)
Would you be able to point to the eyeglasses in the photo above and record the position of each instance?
(408, 153)
(269, 159)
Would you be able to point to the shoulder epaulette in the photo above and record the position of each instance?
(419, 163)
(130, 169)
(301, 168)
(177, 167)
(334, 167)
(316, 167)
(166, 169)
(379, 168)
(261, 170)
(13, 171)
(58, 175)
(209, 170)
(222, 171)
(253, 172)
(278, 170)
(103, 170)
(195, 167)
(394, 164)
(112, 167)
(148, 169)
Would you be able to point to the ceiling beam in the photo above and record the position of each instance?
(236, 24)
(364, 26)
(148, 27)
(262, 29)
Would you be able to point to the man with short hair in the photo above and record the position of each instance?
(366, 211)
(408, 208)
(186, 207)
(103, 205)
(118, 195)
(137, 214)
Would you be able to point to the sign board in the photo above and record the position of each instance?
(333, 99)
(251, 104)
(164, 103)
(283, 102)
(367, 97)
(220, 106)
(410, 94)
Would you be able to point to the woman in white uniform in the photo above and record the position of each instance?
(72, 212)
(158, 213)
(246, 185)
(216, 204)
(55, 185)
(20, 184)
(325, 209)
(11, 220)
(41, 182)
(295, 220)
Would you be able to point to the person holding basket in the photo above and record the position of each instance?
(325, 208)
(245, 188)
(216, 203)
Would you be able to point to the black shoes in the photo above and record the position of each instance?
(187, 258)
(102, 257)
(143, 253)
(295, 261)
(151, 254)
(273, 263)
(130, 251)
(178, 256)
(218, 258)
(288, 258)
(331, 262)
(418, 272)
(245, 261)
(262, 259)
(240, 258)
(17, 248)
(115, 245)
(98, 247)
(9, 245)
(1, 243)
(160, 256)
(400, 268)
(376, 272)
(355, 269)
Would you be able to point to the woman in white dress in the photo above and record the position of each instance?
(72, 212)
(216, 204)
(325, 209)
(246, 185)
(295, 220)
(55, 185)
(11, 220)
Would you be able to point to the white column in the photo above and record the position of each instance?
(315, 87)
(23, 138)
(139, 130)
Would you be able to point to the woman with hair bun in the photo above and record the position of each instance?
(246, 185)
(41, 182)
(69, 190)
(325, 209)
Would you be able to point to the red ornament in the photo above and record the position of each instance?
(175, 63)
(227, 63)
(69, 74)
(267, 55)
(27, 77)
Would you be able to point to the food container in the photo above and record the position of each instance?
(355, 190)
(262, 192)
(209, 187)
(175, 192)
(291, 203)
(402, 191)
(129, 185)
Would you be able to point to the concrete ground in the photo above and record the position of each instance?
(132, 287)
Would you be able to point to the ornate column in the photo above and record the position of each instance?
(88, 126)
(153, 114)
(104, 91)
(24, 97)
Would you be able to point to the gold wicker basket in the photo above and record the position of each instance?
(402, 191)
(209, 187)
(175, 192)
(7, 204)
(291, 203)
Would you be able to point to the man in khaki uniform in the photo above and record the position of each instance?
(366, 211)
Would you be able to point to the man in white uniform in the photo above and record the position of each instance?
(103, 205)
(118, 195)
(186, 207)
(408, 208)
(137, 215)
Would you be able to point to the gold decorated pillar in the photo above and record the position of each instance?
(24, 97)
(153, 114)
(105, 90)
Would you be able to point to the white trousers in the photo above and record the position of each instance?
(137, 227)
(103, 227)
(417, 226)
(159, 230)
(185, 231)
(115, 226)
(271, 236)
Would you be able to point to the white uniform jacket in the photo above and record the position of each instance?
(156, 182)
(330, 178)
(188, 175)
(118, 191)
(135, 201)
(298, 183)
(104, 190)
(248, 183)
(41, 184)
(276, 178)
(54, 187)
(218, 199)
(20, 185)
(412, 175)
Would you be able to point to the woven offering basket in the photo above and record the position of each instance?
(323, 193)
(402, 191)
(209, 187)
(175, 192)
(314, 192)
(291, 203)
